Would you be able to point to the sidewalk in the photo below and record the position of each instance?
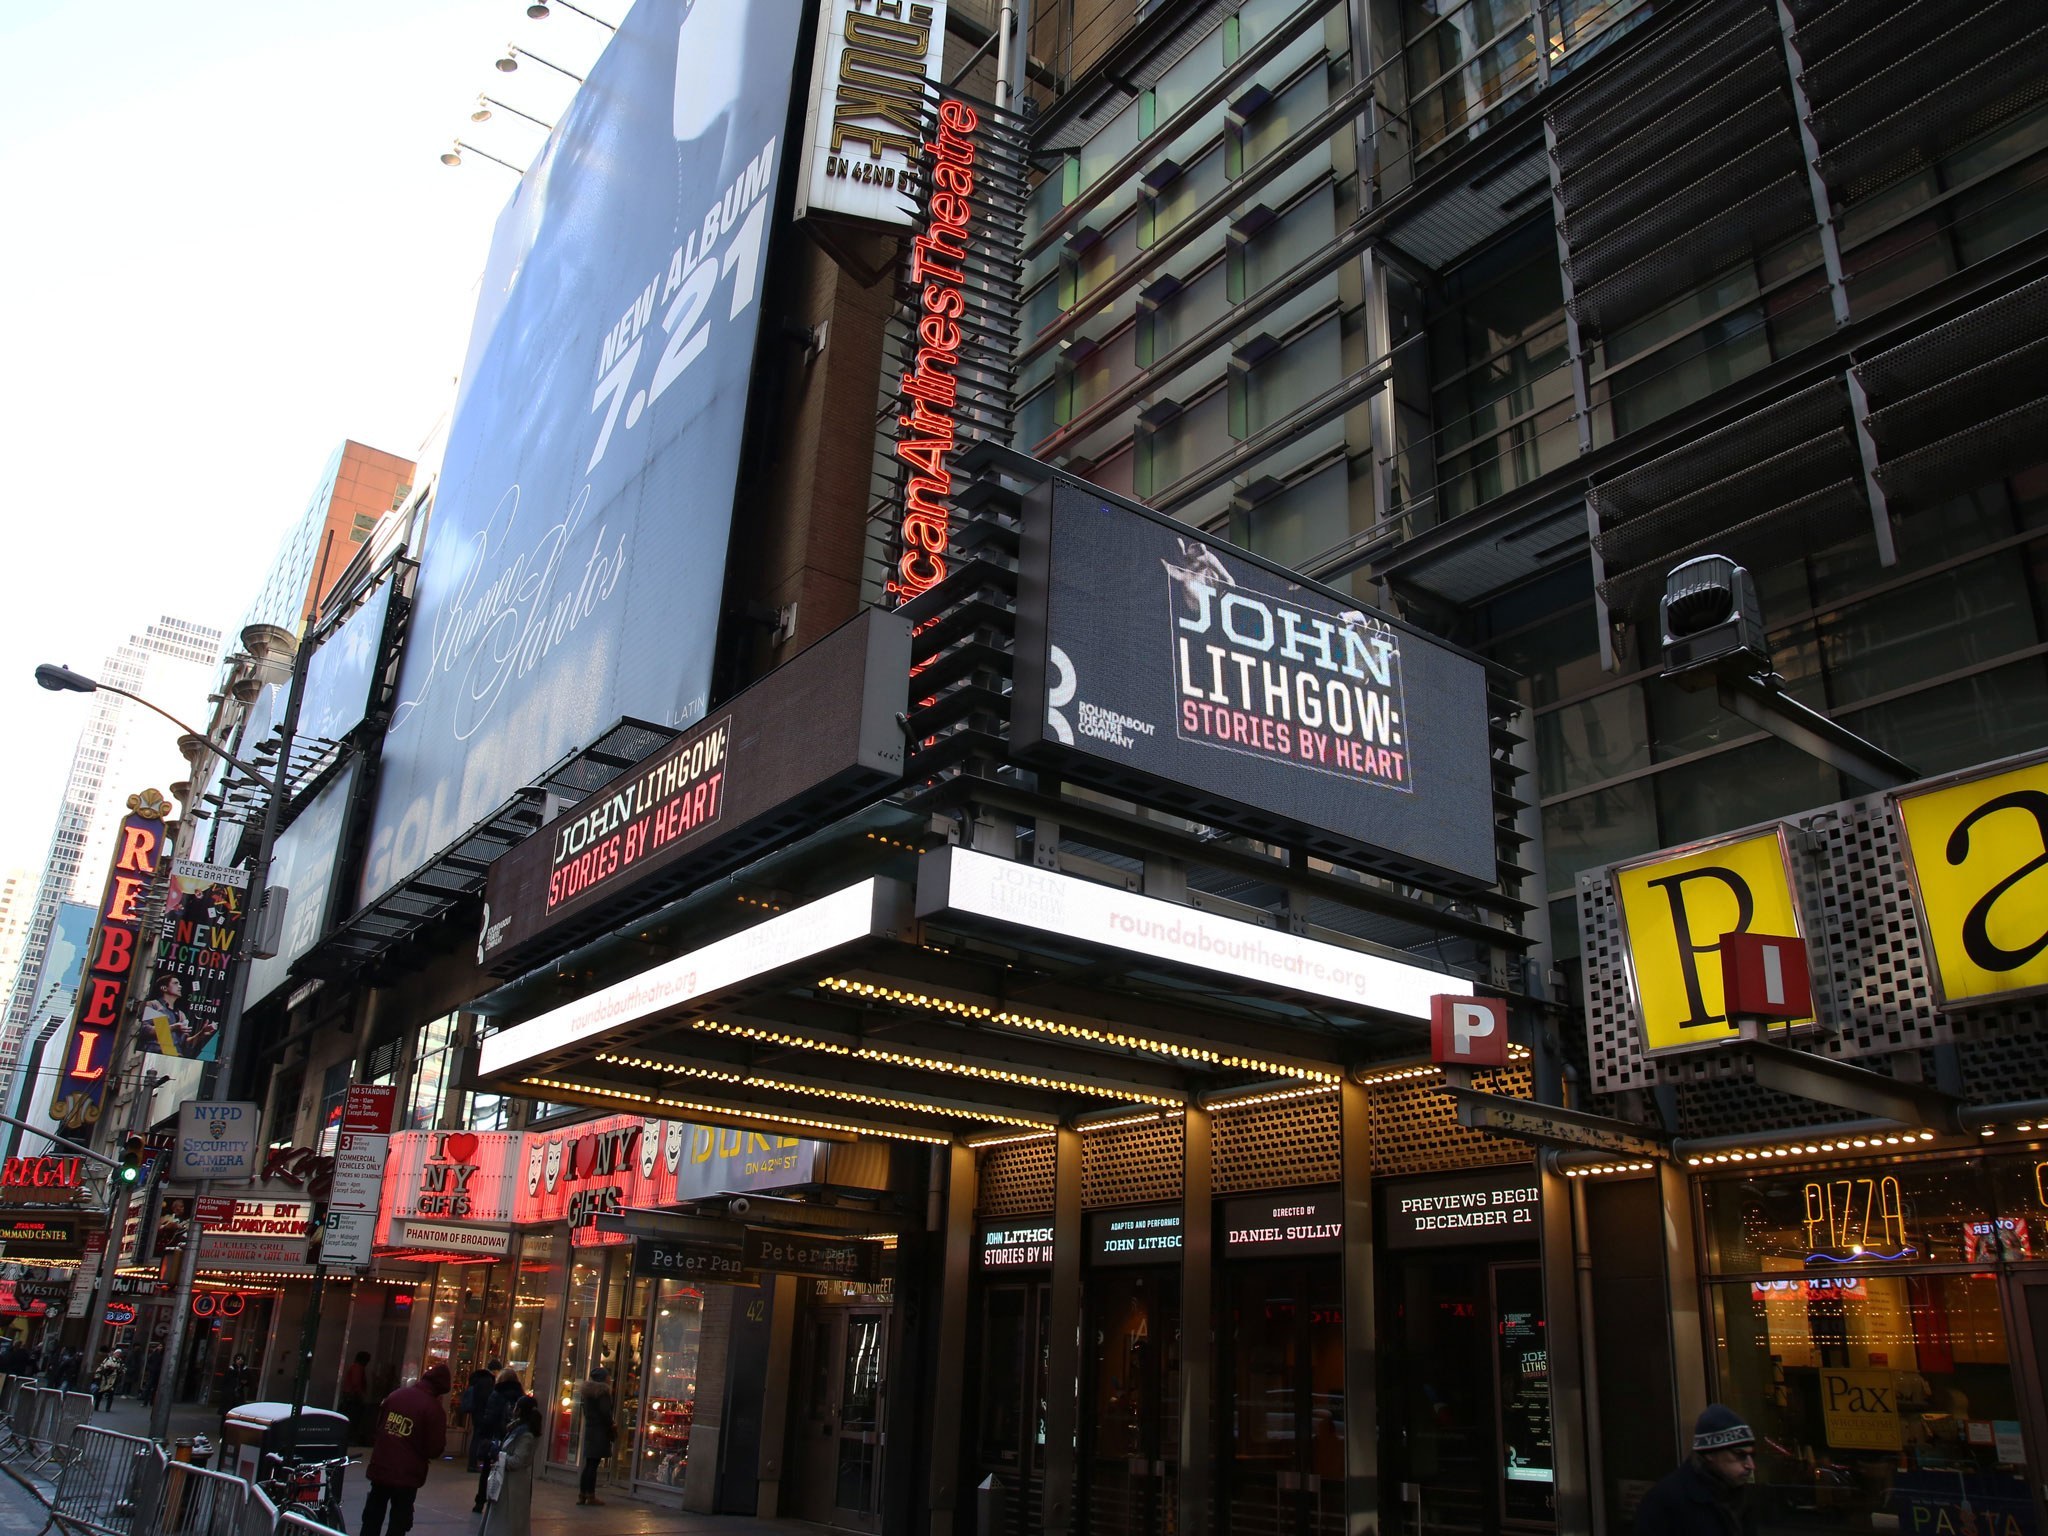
(444, 1507)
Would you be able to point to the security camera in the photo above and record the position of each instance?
(1712, 622)
(740, 1205)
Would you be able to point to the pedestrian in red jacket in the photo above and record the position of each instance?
(412, 1429)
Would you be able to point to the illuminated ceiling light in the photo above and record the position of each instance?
(979, 1142)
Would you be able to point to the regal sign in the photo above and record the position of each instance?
(821, 730)
(40, 1179)
(82, 1081)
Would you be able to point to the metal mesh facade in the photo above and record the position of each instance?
(1132, 1165)
(1872, 979)
(1015, 1180)
(1276, 1146)
(1414, 1129)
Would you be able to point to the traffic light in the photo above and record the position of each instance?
(132, 1153)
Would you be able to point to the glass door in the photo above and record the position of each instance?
(1283, 1420)
(671, 1385)
(838, 1460)
(1132, 1437)
(1010, 1398)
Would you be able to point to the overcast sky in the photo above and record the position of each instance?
(230, 244)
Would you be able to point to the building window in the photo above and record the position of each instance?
(333, 1089)
(433, 1075)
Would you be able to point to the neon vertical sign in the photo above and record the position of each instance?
(938, 271)
(88, 1051)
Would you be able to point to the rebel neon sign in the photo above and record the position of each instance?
(87, 1054)
(938, 259)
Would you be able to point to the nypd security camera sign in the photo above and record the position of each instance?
(220, 1140)
(1163, 664)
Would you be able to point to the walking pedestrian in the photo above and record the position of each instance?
(106, 1379)
(412, 1431)
(1703, 1497)
(511, 1508)
(600, 1428)
(489, 1423)
(355, 1397)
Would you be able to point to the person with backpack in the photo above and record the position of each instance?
(489, 1423)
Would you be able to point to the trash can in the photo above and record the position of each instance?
(254, 1430)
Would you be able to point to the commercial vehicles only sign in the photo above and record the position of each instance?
(222, 1140)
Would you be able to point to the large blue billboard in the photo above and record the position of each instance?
(573, 568)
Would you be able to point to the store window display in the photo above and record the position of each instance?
(1859, 1319)
(671, 1383)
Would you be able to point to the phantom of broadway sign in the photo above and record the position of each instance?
(1180, 670)
(188, 993)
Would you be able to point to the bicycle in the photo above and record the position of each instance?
(309, 1488)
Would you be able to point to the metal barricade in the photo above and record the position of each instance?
(22, 1394)
(110, 1484)
(34, 1416)
(198, 1501)
(67, 1412)
(294, 1524)
(259, 1516)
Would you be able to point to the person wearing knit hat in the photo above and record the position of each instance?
(1704, 1496)
(412, 1431)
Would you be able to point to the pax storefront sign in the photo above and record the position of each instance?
(821, 730)
(793, 1253)
(221, 1140)
(82, 1080)
(864, 135)
(1185, 672)
(1978, 848)
(1023, 1242)
(574, 568)
(1491, 1206)
(1150, 1235)
(1266, 1226)
(1675, 907)
(626, 1162)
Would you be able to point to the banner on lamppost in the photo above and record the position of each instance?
(188, 992)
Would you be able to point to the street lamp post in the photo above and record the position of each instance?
(64, 680)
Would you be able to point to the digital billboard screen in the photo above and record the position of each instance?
(573, 568)
(341, 671)
(1161, 663)
(304, 864)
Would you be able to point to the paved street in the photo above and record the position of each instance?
(21, 1512)
(444, 1507)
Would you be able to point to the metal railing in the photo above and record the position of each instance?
(111, 1484)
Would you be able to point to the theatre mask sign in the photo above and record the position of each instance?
(1675, 907)
(1178, 670)
(1978, 847)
